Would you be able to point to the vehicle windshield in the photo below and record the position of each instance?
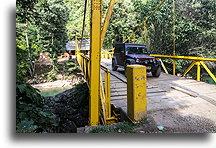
(136, 50)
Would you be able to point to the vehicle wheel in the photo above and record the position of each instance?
(157, 72)
(114, 67)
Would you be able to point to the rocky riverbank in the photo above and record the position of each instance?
(70, 107)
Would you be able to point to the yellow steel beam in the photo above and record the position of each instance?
(144, 21)
(106, 20)
(103, 101)
(174, 67)
(198, 71)
(163, 66)
(107, 93)
(209, 72)
(184, 57)
(188, 69)
(95, 53)
(83, 28)
(197, 61)
(82, 37)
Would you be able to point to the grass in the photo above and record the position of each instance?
(122, 127)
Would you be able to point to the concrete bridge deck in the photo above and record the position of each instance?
(180, 104)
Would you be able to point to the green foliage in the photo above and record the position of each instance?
(51, 76)
(26, 54)
(81, 92)
(74, 24)
(27, 49)
(122, 24)
(122, 127)
(40, 27)
(31, 114)
(52, 27)
(21, 60)
(46, 25)
(25, 10)
(71, 66)
(195, 21)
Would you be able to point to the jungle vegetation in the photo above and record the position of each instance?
(194, 22)
(47, 25)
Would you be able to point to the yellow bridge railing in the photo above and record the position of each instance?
(199, 61)
(105, 105)
(84, 63)
(107, 55)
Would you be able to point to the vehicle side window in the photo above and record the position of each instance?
(115, 50)
(136, 50)
(119, 50)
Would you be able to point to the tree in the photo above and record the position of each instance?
(26, 39)
(52, 27)
(121, 25)
(74, 24)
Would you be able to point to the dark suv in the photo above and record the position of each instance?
(131, 53)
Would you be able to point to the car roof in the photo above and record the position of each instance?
(129, 44)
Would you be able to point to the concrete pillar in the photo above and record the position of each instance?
(136, 92)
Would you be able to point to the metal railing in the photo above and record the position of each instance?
(105, 104)
(84, 63)
(199, 61)
(107, 55)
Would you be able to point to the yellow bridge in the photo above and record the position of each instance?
(140, 95)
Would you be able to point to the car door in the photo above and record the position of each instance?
(120, 56)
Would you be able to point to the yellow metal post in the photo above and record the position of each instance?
(77, 51)
(198, 71)
(174, 67)
(107, 92)
(136, 92)
(95, 53)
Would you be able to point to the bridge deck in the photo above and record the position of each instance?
(181, 104)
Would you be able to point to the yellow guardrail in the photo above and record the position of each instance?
(199, 61)
(82, 39)
(105, 105)
(84, 63)
(107, 55)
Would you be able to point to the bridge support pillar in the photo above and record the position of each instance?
(95, 56)
(136, 92)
